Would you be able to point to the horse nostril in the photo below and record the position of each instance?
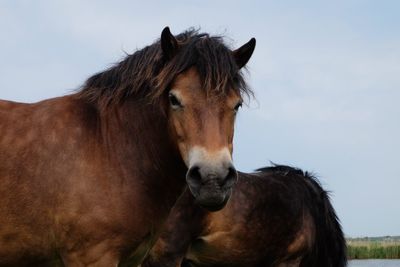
(194, 174)
(231, 177)
(193, 179)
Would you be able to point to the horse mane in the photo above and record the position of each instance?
(288, 171)
(147, 72)
(329, 248)
(284, 169)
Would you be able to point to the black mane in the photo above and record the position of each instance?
(284, 169)
(148, 73)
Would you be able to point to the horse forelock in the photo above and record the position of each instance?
(147, 74)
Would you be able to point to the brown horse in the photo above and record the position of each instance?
(278, 216)
(88, 179)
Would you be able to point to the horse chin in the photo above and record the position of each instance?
(212, 206)
(213, 201)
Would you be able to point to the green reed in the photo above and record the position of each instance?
(373, 250)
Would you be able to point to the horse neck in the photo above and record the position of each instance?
(185, 222)
(136, 135)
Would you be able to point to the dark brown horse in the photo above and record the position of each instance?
(278, 216)
(89, 178)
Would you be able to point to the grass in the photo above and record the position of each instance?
(373, 248)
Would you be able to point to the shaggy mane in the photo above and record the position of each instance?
(147, 73)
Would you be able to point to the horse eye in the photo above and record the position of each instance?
(175, 103)
(238, 105)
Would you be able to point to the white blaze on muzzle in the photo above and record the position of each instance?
(198, 154)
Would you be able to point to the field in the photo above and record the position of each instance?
(373, 248)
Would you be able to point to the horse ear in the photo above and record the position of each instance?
(169, 45)
(243, 53)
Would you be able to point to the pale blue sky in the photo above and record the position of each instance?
(326, 77)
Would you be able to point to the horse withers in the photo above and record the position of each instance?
(89, 178)
(276, 217)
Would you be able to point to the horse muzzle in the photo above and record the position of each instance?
(211, 185)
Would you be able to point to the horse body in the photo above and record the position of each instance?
(88, 179)
(276, 217)
(73, 188)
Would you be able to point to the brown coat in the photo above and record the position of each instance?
(88, 179)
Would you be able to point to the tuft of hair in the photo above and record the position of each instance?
(281, 169)
(329, 248)
(147, 73)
